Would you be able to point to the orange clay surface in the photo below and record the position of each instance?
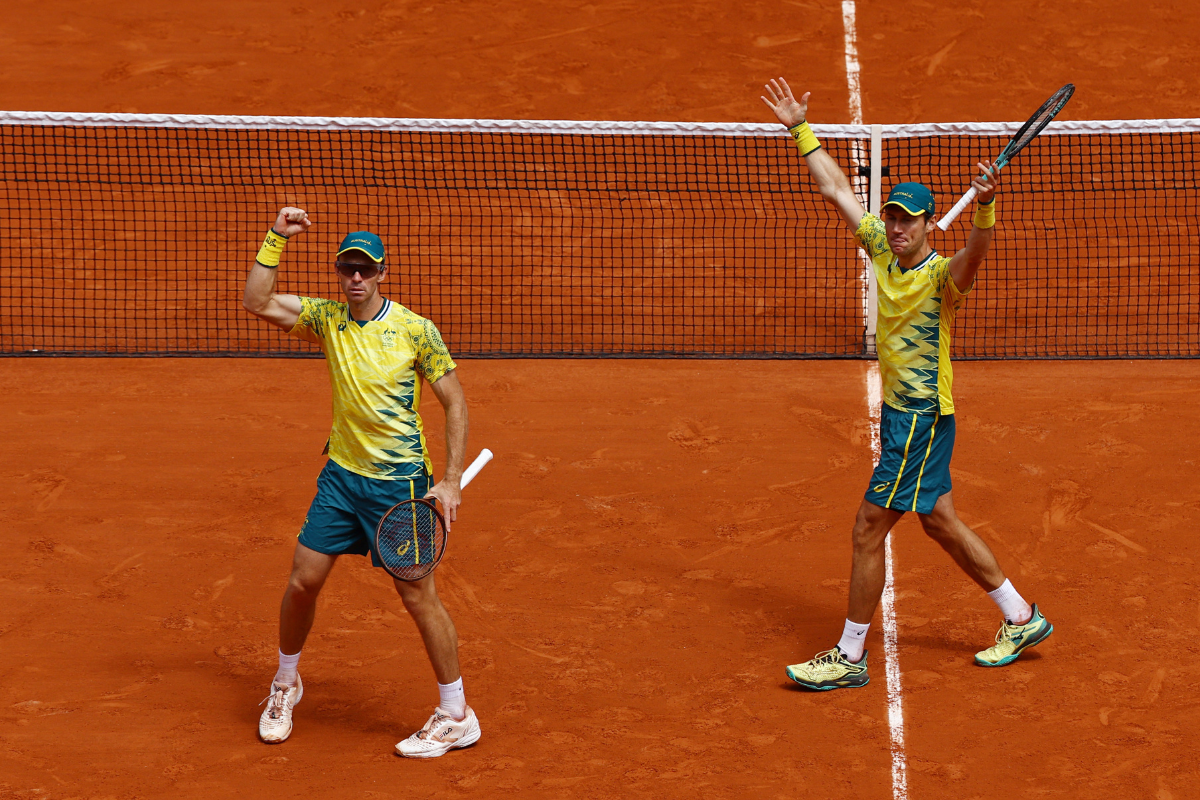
(655, 540)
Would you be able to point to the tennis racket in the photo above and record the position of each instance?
(411, 537)
(1036, 124)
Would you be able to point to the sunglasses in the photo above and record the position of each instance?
(367, 271)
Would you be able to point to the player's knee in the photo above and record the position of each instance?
(870, 528)
(866, 537)
(304, 588)
(940, 530)
(417, 598)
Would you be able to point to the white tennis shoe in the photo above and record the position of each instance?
(275, 724)
(441, 734)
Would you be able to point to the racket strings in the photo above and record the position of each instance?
(1041, 118)
(411, 539)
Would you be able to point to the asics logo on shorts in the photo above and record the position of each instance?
(883, 487)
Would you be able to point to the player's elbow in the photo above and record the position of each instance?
(829, 193)
(255, 305)
(836, 192)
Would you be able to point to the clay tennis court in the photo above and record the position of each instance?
(656, 539)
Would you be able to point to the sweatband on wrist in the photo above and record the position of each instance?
(806, 141)
(271, 250)
(985, 214)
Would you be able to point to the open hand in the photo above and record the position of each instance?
(784, 104)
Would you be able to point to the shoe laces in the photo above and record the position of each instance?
(830, 657)
(434, 722)
(1008, 631)
(277, 698)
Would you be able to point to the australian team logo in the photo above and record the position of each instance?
(389, 339)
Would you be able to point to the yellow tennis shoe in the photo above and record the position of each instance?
(1012, 639)
(830, 670)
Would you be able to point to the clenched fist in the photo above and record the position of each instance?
(291, 221)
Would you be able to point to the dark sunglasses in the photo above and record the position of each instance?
(367, 271)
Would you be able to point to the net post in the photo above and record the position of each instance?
(876, 197)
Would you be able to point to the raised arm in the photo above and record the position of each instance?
(830, 179)
(260, 298)
(966, 262)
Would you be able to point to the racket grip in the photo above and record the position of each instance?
(476, 465)
(953, 213)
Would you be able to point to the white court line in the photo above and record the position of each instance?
(895, 691)
(860, 182)
(874, 402)
(852, 62)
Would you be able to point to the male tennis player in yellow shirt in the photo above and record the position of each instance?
(919, 293)
(377, 352)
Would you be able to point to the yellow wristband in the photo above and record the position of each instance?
(806, 141)
(271, 250)
(985, 215)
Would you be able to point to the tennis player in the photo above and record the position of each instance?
(919, 293)
(378, 352)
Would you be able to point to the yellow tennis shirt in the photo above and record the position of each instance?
(374, 367)
(912, 331)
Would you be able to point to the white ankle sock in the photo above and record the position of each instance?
(1012, 605)
(854, 641)
(287, 669)
(453, 699)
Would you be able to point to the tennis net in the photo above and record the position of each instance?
(131, 234)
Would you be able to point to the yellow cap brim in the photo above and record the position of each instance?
(916, 212)
(364, 252)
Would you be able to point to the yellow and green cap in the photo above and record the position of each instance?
(366, 242)
(915, 198)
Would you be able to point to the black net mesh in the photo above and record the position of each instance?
(136, 240)
(1094, 255)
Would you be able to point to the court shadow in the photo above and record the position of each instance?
(792, 686)
(943, 644)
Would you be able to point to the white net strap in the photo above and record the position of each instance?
(567, 127)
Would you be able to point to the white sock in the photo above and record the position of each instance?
(1012, 605)
(454, 700)
(287, 669)
(854, 641)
